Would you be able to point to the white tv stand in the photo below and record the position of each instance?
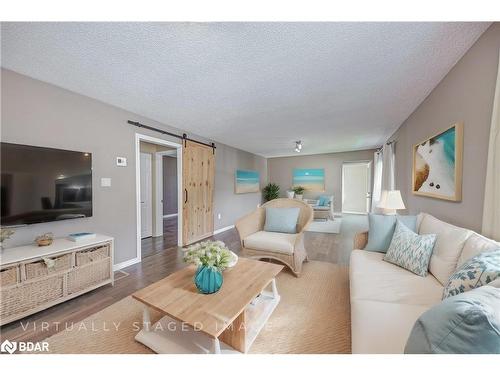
(29, 285)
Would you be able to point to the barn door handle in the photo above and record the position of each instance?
(185, 196)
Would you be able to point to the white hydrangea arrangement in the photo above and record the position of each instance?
(213, 254)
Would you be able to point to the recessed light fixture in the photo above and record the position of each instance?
(298, 146)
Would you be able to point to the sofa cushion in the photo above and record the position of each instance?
(382, 229)
(475, 245)
(410, 250)
(373, 279)
(381, 327)
(282, 219)
(449, 244)
(463, 324)
(474, 273)
(271, 241)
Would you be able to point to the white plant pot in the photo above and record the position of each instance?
(290, 194)
(298, 196)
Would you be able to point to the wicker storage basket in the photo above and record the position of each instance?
(39, 269)
(92, 255)
(27, 296)
(8, 276)
(87, 275)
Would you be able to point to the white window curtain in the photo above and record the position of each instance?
(491, 208)
(388, 167)
(383, 175)
(377, 180)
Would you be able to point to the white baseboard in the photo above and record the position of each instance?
(223, 229)
(169, 215)
(119, 266)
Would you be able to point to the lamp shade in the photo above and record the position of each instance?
(391, 200)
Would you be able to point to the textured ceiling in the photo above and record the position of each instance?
(255, 86)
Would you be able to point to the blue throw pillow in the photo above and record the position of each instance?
(477, 271)
(282, 220)
(468, 323)
(410, 250)
(324, 200)
(382, 229)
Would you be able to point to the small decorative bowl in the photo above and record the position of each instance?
(44, 241)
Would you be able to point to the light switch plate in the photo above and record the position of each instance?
(105, 182)
(121, 161)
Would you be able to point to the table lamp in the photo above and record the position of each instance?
(391, 201)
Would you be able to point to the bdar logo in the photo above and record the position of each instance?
(8, 347)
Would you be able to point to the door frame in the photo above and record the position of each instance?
(158, 191)
(178, 146)
(370, 166)
(150, 161)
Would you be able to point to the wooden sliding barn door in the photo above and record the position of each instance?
(198, 171)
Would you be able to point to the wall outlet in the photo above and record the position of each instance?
(219, 216)
(105, 182)
(121, 161)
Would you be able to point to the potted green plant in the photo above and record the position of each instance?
(299, 191)
(211, 258)
(271, 191)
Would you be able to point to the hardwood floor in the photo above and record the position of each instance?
(153, 245)
(157, 264)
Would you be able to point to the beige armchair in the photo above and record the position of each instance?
(285, 247)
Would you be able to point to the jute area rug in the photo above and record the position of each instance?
(313, 316)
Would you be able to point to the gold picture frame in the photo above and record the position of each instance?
(437, 165)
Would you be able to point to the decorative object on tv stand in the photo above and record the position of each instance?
(5, 234)
(290, 194)
(82, 236)
(211, 258)
(246, 181)
(299, 191)
(310, 179)
(45, 239)
(391, 201)
(271, 191)
(437, 165)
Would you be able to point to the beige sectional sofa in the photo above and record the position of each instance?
(386, 300)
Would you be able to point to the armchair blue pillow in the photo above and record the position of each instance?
(282, 220)
(382, 229)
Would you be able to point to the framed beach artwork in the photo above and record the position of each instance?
(437, 165)
(309, 179)
(247, 181)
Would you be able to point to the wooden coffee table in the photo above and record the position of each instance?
(223, 322)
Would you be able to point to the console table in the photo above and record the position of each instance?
(34, 278)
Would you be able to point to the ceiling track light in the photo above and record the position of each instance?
(298, 146)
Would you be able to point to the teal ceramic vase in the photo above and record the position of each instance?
(208, 280)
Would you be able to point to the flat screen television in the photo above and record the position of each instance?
(40, 184)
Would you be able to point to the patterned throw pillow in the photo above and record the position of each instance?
(409, 250)
(477, 271)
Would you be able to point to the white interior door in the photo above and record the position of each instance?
(146, 196)
(356, 187)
